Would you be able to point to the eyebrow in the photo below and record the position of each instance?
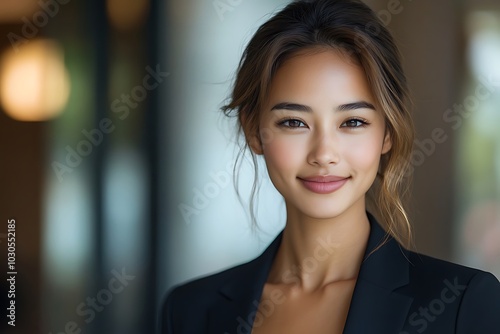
(342, 107)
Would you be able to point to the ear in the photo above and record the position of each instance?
(255, 144)
(252, 137)
(387, 145)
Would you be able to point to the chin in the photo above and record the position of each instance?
(322, 213)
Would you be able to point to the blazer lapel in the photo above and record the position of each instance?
(376, 306)
(236, 309)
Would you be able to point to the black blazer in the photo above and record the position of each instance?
(397, 292)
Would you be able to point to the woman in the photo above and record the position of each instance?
(320, 94)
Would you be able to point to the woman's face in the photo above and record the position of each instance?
(321, 135)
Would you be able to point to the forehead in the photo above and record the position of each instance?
(320, 74)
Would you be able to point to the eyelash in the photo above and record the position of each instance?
(363, 123)
(281, 123)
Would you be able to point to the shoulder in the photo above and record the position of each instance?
(210, 294)
(439, 286)
(193, 298)
(430, 274)
(426, 267)
(209, 284)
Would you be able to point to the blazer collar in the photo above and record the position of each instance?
(375, 306)
(241, 295)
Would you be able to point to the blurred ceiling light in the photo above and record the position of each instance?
(12, 11)
(127, 14)
(34, 83)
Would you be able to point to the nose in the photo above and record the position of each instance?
(324, 150)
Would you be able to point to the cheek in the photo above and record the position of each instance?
(364, 155)
(283, 154)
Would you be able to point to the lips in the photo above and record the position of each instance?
(323, 184)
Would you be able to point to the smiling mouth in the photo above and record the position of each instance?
(323, 184)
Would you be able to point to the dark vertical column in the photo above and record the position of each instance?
(21, 191)
(98, 25)
(430, 57)
(22, 172)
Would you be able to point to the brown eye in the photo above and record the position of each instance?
(354, 123)
(291, 123)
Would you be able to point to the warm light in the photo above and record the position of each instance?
(127, 14)
(12, 11)
(34, 83)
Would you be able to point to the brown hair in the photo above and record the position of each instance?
(353, 28)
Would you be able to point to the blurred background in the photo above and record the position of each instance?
(117, 166)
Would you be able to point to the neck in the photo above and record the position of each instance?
(317, 252)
